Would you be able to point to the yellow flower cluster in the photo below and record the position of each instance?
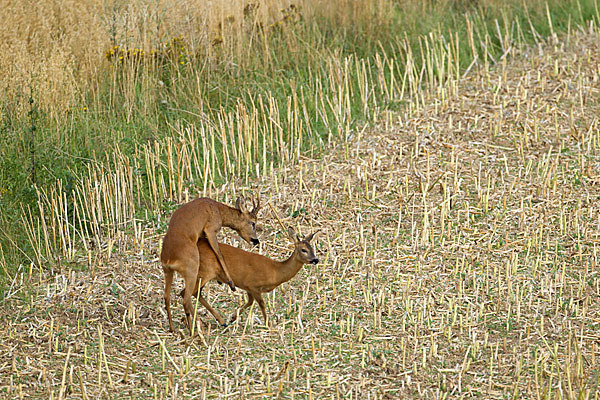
(175, 50)
(116, 53)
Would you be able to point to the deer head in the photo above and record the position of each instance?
(303, 247)
(246, 227)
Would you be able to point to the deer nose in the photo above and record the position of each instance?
(315, 261)
(255, 242)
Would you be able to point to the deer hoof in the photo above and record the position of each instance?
(231, 285)
(224, 325)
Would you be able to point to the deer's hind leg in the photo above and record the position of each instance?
(167, 295)
(189, 273)
(203, 280)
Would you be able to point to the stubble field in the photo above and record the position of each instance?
(459, 258)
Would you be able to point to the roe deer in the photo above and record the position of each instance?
(254, 273)
(201, 218)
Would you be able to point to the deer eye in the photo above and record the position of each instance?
(304, 250)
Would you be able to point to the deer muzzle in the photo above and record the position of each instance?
(315, 261)
(255, 242)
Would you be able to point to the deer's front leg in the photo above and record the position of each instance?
(212, 240)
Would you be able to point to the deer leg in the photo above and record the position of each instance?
(212, 240)
(167, 296)
(198, 292)
(214, 312)
(189, 276)
(261, 304)
(195, 290)
(248, 304)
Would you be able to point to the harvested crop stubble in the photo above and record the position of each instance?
(459, 258)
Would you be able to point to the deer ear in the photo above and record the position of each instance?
(256, 206)
(308, 238)
(240, 204)
(292, 235)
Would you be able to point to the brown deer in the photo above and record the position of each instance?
(254, 273)
(201, 219)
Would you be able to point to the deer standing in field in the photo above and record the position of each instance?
(254, 273)
(201, 219)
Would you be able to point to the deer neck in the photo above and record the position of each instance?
(289, 268)
(230, 217)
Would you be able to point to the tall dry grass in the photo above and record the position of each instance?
(58, 46)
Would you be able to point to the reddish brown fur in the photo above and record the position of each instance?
(200, 218)
(254, 273)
